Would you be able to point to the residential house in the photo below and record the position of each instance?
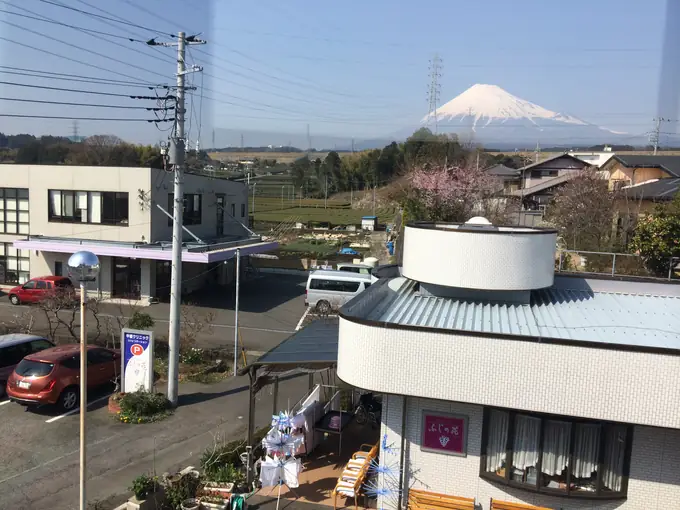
(502, 381)
(557, 166)
(510, 177)
(594, 158)
(643, 181)
(122, 215)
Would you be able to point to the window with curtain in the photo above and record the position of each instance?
(558, 455)
(98, 207)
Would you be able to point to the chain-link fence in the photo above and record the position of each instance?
(613, 264)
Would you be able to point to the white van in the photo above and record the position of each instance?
(328, 290)
(354, 268)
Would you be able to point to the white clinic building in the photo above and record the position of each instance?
(504, 382)
(49, 212)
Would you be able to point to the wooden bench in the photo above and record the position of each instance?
(507, 505)
(422, 500)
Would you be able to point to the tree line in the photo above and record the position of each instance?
(97, 150)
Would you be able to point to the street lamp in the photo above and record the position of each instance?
(83, 266)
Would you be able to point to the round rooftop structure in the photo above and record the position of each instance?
(478, 255)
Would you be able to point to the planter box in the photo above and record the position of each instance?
(227, 488)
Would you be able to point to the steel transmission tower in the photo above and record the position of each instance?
(434, 89)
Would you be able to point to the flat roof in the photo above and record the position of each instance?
(337, 273)
(205, 253)
(315, 345)
(615, 314)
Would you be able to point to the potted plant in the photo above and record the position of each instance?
(191, 504)
(143, 487)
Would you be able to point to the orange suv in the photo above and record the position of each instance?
(52, 376)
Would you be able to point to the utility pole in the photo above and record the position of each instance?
(76, 138)
(352, 145)
(213, 139)
(254, 184)
(537, 151)
(177, 160)
(241, 140)
(282, 197)
(325, 199)
(434, 88)
(655, 136)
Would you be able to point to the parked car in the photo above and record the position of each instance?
(41, 288)
(329, 290)
(52, 376)
(13, 348)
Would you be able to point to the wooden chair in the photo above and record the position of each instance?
(422, 500)
(363, 457)
(507, 505)
(349, 485)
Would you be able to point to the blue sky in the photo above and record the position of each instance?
(352, 68)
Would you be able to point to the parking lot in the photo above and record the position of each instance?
(39, 447)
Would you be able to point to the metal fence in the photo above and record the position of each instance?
(610, 263)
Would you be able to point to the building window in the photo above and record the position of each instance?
(98, 207)
(14, 264)
(243, 210)
(14, 211)
(193, 208)
(58, 268)
(233, 210)
(556, 455)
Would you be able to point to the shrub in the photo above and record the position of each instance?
(192, 356)
(143, 407)
(143, 485)
(141, 320)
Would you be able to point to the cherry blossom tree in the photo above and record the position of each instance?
(454, 193)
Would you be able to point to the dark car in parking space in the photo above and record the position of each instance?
(52, 376)
(13, 348)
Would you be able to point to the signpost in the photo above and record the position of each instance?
(444, 433)
(137, 361)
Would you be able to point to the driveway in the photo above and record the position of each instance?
(40, 456)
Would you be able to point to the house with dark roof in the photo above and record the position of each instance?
(645, 177)
(557, 166)
(509, 176)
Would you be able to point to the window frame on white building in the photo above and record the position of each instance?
(519, 455)
(89, 207)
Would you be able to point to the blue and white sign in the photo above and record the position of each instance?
(137, 359)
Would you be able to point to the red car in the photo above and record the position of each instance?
(41, 288)
(52, 376)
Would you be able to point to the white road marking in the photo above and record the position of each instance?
(52, 420)
(302, 319)
(5, 402)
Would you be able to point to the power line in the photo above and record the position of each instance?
(66, 103)
(84, 49)
(55, 22)
(37, 73)
(20, 116)
(92, 14)
(94, 92)
(94, 33)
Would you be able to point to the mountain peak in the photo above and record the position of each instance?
(483, 104)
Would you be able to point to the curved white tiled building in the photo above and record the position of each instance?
(503, 381)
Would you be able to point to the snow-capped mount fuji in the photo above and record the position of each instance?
(493, 115)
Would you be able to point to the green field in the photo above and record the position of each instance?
(312, 210)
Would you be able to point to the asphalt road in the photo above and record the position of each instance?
(39, 448)
(269, 309)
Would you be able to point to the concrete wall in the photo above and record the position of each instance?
(622, 386)
(41, 178)
(235, 193)
(654, 482)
